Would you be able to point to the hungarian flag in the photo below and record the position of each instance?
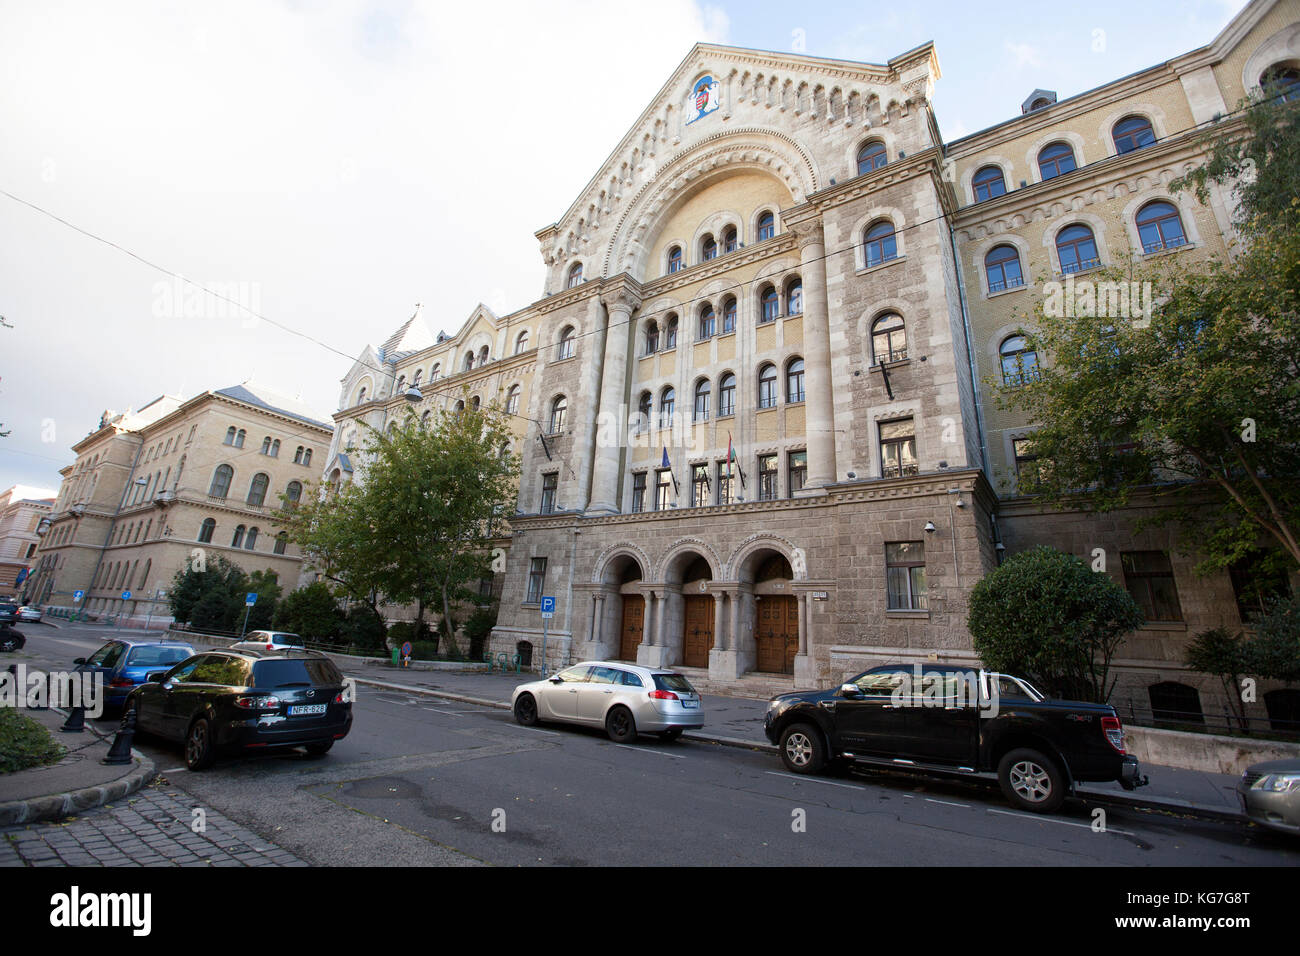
(731, 456)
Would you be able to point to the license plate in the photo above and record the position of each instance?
(299, 710)
(690, 703)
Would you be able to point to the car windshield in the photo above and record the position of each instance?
(673, 682)
(150, 654)
(310, 672)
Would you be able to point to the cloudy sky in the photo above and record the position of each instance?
(331, 163)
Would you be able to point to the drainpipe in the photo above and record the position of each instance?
(970, 355)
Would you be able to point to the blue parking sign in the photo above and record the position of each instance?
(548, 606)
(126, 595)
(250, 599)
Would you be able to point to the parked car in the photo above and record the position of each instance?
(29, 613)
(905, 717)
(625, 699)
(1270, 794)
(10, 638)
(268, 641)
(8, 611)
(245, 700)
(126, 664)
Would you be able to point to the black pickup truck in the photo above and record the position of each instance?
(956, 720)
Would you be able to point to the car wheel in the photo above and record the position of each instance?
(10, 643)
(199, 751)
(1031, 781)
(620, 726)
(526, 710)
(671, 734)
(320, 749)
(802, 749)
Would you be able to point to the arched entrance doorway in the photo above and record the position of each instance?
(697, 615)
(776, 615)
(623, 578)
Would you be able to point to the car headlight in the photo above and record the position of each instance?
(1278, 782)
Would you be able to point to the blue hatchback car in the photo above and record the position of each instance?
(126, 664)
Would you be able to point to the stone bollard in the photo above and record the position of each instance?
(76, 721)
(120, 752)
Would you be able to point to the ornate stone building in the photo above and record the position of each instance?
(21, 510)
(148, 487)
(753, 402)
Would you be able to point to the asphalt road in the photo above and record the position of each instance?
(425, 781)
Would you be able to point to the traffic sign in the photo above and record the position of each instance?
(126, 595)
(77, 596)
(250, 599)
(548, 607)
(406, 649)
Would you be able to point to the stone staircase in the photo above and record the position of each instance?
(754, 684)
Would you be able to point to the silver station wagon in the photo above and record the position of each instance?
(625, 699)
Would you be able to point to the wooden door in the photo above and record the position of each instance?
(777, 634)
(697, 637)
(633, 626)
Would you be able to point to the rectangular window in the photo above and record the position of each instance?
(1258, 580)
(663, 489)
(1028, 466)
(905, 576)
(550, 484)
(767, 475)
(897, 449)
(536, 581)
(798, 471)
(724, 483)
(727, 397)
(699, 486)
(638, 491)
(1149, 577)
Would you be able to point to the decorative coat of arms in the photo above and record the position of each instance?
(704, 98)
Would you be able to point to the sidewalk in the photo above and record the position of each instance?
(77, 782)
(738, 721)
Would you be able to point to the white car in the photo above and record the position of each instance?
(625, 699)
(269, 641)
(29, 614)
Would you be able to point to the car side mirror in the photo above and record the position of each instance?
(155, 677)
(850, 689)
(555, 680)
(78, 660)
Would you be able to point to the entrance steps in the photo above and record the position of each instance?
(753, 684)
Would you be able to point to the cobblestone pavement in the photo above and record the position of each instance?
(150, 828)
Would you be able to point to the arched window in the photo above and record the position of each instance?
(251, 540)
(766, 226)
(575, 275)
(1282, 83)
(651, 337)
(769, 305)
(727, 395)
(221, 479)
(239, 439)
(674, 259)
(281, 542)
(1056, 159)
(988, 183)
(643, 412)
(559, 409)
(708, 248)
(275, 448)
(794, 298)
(292, 494)
(1175, 703)
(1019, 362)
(205, 530)
(1077, 249)
(230, 435)
(401, 385)
(702, 395)
(730, 240)
(512, 400)
(670, 332)
(469, 361)
(436, 373)
(1159, 227)
(667, 403)
(567, 341)
(767, 386)
(881, 243)
(794, 381)
(1133, 132)
(266, 445)
(888, 339)
(306, 458)
(257, 488)
(871, 156)
(1002, 265)
(708, 322)
(361, 395)
(297, 456)
(457, 410)
(415, 379)
(475, 403)
(521, 343)
(483, 356)
(728, 316)
(424, 419)
(238, 540)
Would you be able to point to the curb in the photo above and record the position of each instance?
(1092, 796)
(60, 805)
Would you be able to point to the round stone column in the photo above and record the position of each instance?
(819, 395)
(611, 422)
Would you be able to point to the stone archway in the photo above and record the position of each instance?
(619, 609)
(689, 610)
(770, 621)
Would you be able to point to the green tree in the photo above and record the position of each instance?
(1275, 648)
(311, 611)
(266, 585)
(1045, 615)
(1227, 656)
(209, 594)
